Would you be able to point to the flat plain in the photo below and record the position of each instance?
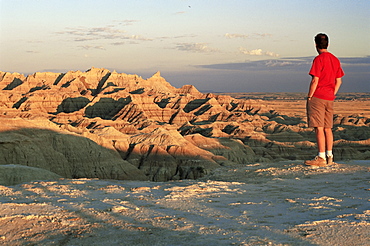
(292, 104)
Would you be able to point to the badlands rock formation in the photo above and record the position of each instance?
(103, 124)
(15, 174)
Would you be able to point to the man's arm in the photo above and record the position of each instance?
(338, 82)
(313, 86)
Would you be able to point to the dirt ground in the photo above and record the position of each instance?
(284, 203)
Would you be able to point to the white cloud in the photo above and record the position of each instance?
(138, 37)
(235, 35)
(186, 36)
(275, 63)
(176, 37)
(89, 47)
(195, 47)
(82, 34)
(127, 22)
(251, 36)
(82, 39)
(257, 52)
(118, 43)
(262, 35)
(32, 51)
(269, 53)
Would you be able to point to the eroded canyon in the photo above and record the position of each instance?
(109, 125)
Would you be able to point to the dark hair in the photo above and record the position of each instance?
(322, 41)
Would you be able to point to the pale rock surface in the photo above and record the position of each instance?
(280, 203)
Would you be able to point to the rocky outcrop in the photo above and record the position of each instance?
(40, 144)
(17, 174)
(106, 124)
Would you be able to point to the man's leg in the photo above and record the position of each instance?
(315, 118)
(320, 159)
(329, 140)
(320, 139)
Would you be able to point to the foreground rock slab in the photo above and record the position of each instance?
(281, 203)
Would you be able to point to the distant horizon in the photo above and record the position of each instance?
(242, 81)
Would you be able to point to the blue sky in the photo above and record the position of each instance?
(220, 46)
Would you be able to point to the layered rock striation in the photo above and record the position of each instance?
(103, 124)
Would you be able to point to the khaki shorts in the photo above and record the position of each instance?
(320, 112)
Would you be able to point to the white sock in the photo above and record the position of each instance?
(329, 153)
(322, 155)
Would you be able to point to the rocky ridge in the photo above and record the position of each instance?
(103, 124)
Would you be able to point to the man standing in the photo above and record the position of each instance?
(326, 79)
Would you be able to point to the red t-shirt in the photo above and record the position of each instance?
(327, 68)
